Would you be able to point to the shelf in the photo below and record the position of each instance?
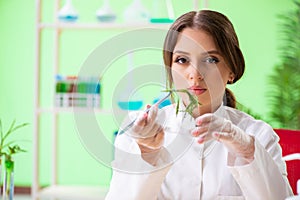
(55, 191)
(102, 25)
(73, 110)
(73, 192)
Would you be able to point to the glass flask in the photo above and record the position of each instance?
(68, 13)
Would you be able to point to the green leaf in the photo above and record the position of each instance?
(9, 130)
(13, 129)
(177, 107)
(8, 143)
(192, 98)
(5, 148)
(284, 93)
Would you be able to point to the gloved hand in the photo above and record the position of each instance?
(209, 126)
(148, 133)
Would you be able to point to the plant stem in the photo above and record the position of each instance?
(194, 103)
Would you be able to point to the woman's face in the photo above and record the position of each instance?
(198, 66)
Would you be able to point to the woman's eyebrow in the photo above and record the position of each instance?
(204, 53)
(181, 52)
(211, 52)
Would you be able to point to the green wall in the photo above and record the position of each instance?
(255, 21)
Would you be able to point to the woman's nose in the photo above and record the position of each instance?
(195, 74)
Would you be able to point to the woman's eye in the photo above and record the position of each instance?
(211, 60)
(181, 60)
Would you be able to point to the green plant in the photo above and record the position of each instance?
(8, 147)
(284, 94)
(192, 98)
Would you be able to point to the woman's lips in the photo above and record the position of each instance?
(196, 90)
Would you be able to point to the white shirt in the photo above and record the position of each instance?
(187, 170)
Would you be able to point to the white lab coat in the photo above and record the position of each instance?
(187, 170)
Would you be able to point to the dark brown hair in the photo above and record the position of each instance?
(219, 27)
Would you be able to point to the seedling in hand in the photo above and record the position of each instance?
(194, 103)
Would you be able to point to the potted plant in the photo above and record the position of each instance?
(284, 91)
(7, 149)
(284, 94)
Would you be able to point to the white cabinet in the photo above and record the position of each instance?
(56, 191)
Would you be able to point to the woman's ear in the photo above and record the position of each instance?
(231, 77)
